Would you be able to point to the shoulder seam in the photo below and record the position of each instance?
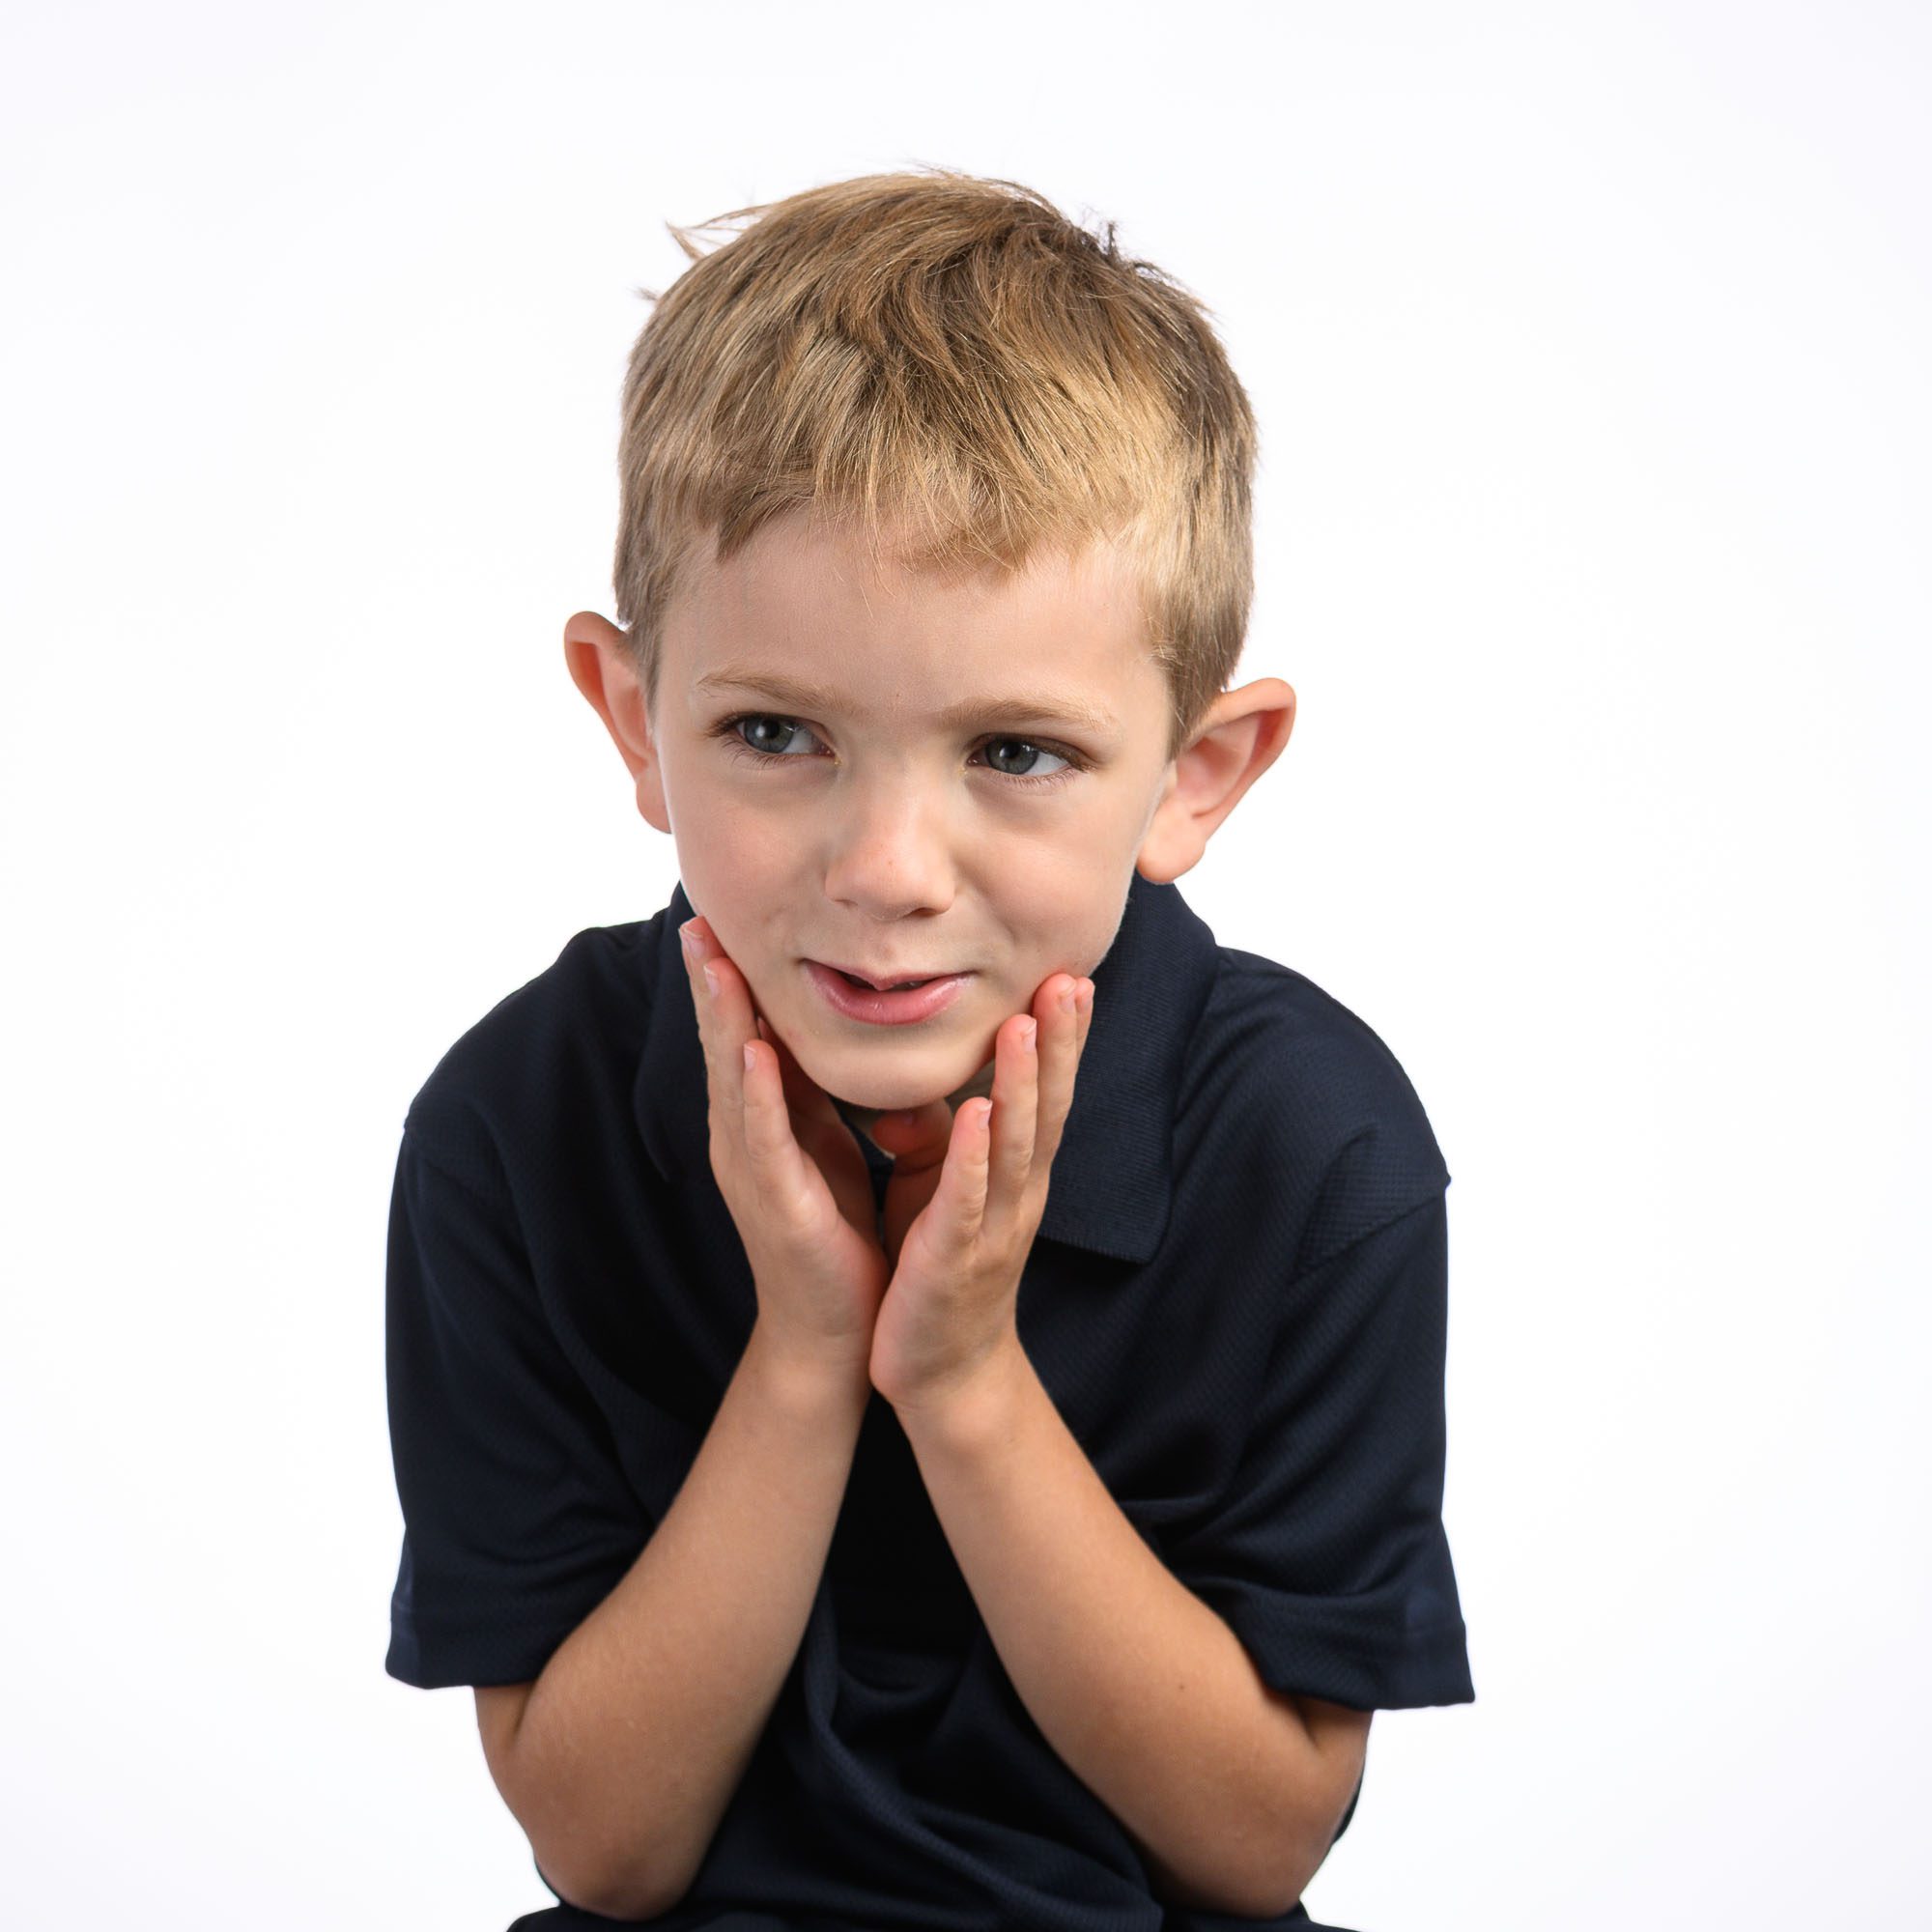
(426, 1152)
(1387, 1221)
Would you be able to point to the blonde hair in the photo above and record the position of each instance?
(953, 358)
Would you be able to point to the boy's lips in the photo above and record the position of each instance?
(885, 1007)
(885, 982)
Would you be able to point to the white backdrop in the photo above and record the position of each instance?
(1588, 344)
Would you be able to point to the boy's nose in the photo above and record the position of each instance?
(887, 897)
(893, 864)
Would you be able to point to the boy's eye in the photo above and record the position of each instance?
(768, 738)
(767, 734)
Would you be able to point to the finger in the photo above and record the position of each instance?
(803, 1095)
(772, 1145)
(815, 1122)
(767, 1121)
(1016, 1122)
(916, 1137)
(697, 949)
(724, 1023)
(1063, 1041)
(764, 1108)
(784, 1065)
(960, 1198)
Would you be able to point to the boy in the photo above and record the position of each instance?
(840, 1526)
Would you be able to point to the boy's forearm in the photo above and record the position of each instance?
(1142, 1689)
(640, 1726)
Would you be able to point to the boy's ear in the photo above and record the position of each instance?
(1243, 734)
(600, 667)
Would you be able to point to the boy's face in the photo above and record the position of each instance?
(916, 811)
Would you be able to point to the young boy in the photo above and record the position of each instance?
(840, 1526)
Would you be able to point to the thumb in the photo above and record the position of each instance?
(916, 1137)
(918, 1140)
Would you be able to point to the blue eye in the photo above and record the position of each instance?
(789, 728)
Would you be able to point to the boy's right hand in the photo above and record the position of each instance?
(792, 1175)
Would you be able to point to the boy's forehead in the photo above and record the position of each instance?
(838, 565)
(810, 613)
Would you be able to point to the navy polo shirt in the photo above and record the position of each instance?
(1236, 1300)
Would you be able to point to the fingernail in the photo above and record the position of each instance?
(690, 939)
(711, 981)
(1068, 995)
(1027, 1033)
(1086, 995)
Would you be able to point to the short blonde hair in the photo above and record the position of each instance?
(952, 358)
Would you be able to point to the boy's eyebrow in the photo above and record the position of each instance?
(1060, 707)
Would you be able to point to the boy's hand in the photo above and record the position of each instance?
(792, 1174)
(964, 1203)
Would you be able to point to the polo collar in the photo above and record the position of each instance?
(1113, 1181)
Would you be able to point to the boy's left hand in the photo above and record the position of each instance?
(964, 1203)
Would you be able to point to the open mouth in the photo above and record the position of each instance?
(867, 986)
(904, 1003)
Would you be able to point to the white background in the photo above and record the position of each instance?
(1589, 348)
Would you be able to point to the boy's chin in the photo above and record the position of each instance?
(888, 1101)
(922, 1077)
(891, 1100)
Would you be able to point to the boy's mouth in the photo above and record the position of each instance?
(904, 1000)
(898, 982)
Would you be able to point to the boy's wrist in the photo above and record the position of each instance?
(803, 1377)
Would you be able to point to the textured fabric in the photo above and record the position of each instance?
(1236, 1300)
(566, 1919)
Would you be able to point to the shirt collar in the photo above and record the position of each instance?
(1113, 1183)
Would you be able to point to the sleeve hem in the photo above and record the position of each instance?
(498, 1655)
(1427, 1667)
(431, 1651)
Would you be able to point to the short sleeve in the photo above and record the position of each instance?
(1327, 1554)
(517, 1517)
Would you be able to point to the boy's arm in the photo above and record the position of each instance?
(1232, 1791)
(633, 1740)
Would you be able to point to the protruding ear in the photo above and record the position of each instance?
(1243, 734)
(598, 655)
